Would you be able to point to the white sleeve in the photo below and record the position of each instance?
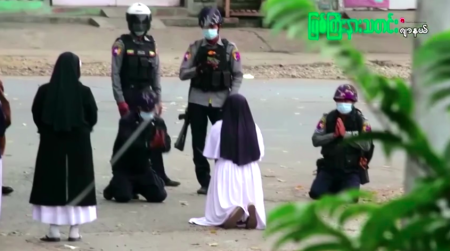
(260, 142)
(212, 144)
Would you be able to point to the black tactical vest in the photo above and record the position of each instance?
(338, 156)
(139, 63)
(213, 80)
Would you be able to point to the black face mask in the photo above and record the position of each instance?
(138, 24)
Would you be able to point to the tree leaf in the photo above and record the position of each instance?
(405, 97)
(356, 210)
(389, 140)
(287, 216)
(373, 233)
(327, 246)
(440, 95)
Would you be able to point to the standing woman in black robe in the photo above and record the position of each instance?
(65, 112)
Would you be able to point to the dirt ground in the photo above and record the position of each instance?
(31, 49)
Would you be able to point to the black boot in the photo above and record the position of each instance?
(7, 190)
(171, 183)
(202, 190)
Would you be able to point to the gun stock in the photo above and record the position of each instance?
(181, 140)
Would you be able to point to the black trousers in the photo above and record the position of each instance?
(330, 183)
(156, 158)
(199, 116)
(124, 187)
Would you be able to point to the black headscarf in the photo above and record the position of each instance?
(63, 107)
(238, 138)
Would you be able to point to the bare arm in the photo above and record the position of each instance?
(236, 69)
(188, 69)
(116, 65)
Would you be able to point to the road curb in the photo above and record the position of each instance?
(43, 19)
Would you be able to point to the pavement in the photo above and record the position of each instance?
(33, 48)
(287, 112)
(81, 38)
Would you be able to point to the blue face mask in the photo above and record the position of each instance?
(344, 108)
(146, 116)
(210, 33)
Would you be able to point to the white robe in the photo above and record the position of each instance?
(231, 186)
(64, 215)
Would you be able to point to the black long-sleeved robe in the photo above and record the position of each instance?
(64, 164)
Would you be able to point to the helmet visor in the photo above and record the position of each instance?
(138, 23)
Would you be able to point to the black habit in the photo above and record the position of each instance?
(65, 112)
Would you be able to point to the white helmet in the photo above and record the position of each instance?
(139, 18)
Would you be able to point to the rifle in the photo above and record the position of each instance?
(181, 140)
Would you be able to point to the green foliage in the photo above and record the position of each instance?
(424, 227)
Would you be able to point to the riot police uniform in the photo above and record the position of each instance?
(136, 69)
(341, 167)
(213, 65)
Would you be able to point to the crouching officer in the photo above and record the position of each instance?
(213, 65)
(132, 171)
(136, 69)
(343, 166)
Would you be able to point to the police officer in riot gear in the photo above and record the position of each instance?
(136, 69)
(343, 166)
(213, 65)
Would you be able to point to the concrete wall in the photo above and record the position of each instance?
(165, 3)
(383, 4)
(10, 6)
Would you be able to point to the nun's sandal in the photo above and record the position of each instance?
(50, 239)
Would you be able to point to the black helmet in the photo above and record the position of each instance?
(139, 18)
(209, 16)
(145, 101)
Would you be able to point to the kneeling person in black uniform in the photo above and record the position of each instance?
(343, 166)
(132, 172)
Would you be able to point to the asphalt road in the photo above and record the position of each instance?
(287, 112)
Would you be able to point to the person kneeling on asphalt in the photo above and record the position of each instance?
(343, 166)
(132, 169)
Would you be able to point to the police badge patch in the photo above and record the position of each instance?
(236, 55)
(320, 128)
(116, 49)
(187, 55)
(366, 127)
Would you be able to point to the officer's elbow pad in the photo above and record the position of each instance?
(182, 76)
(315, 143)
